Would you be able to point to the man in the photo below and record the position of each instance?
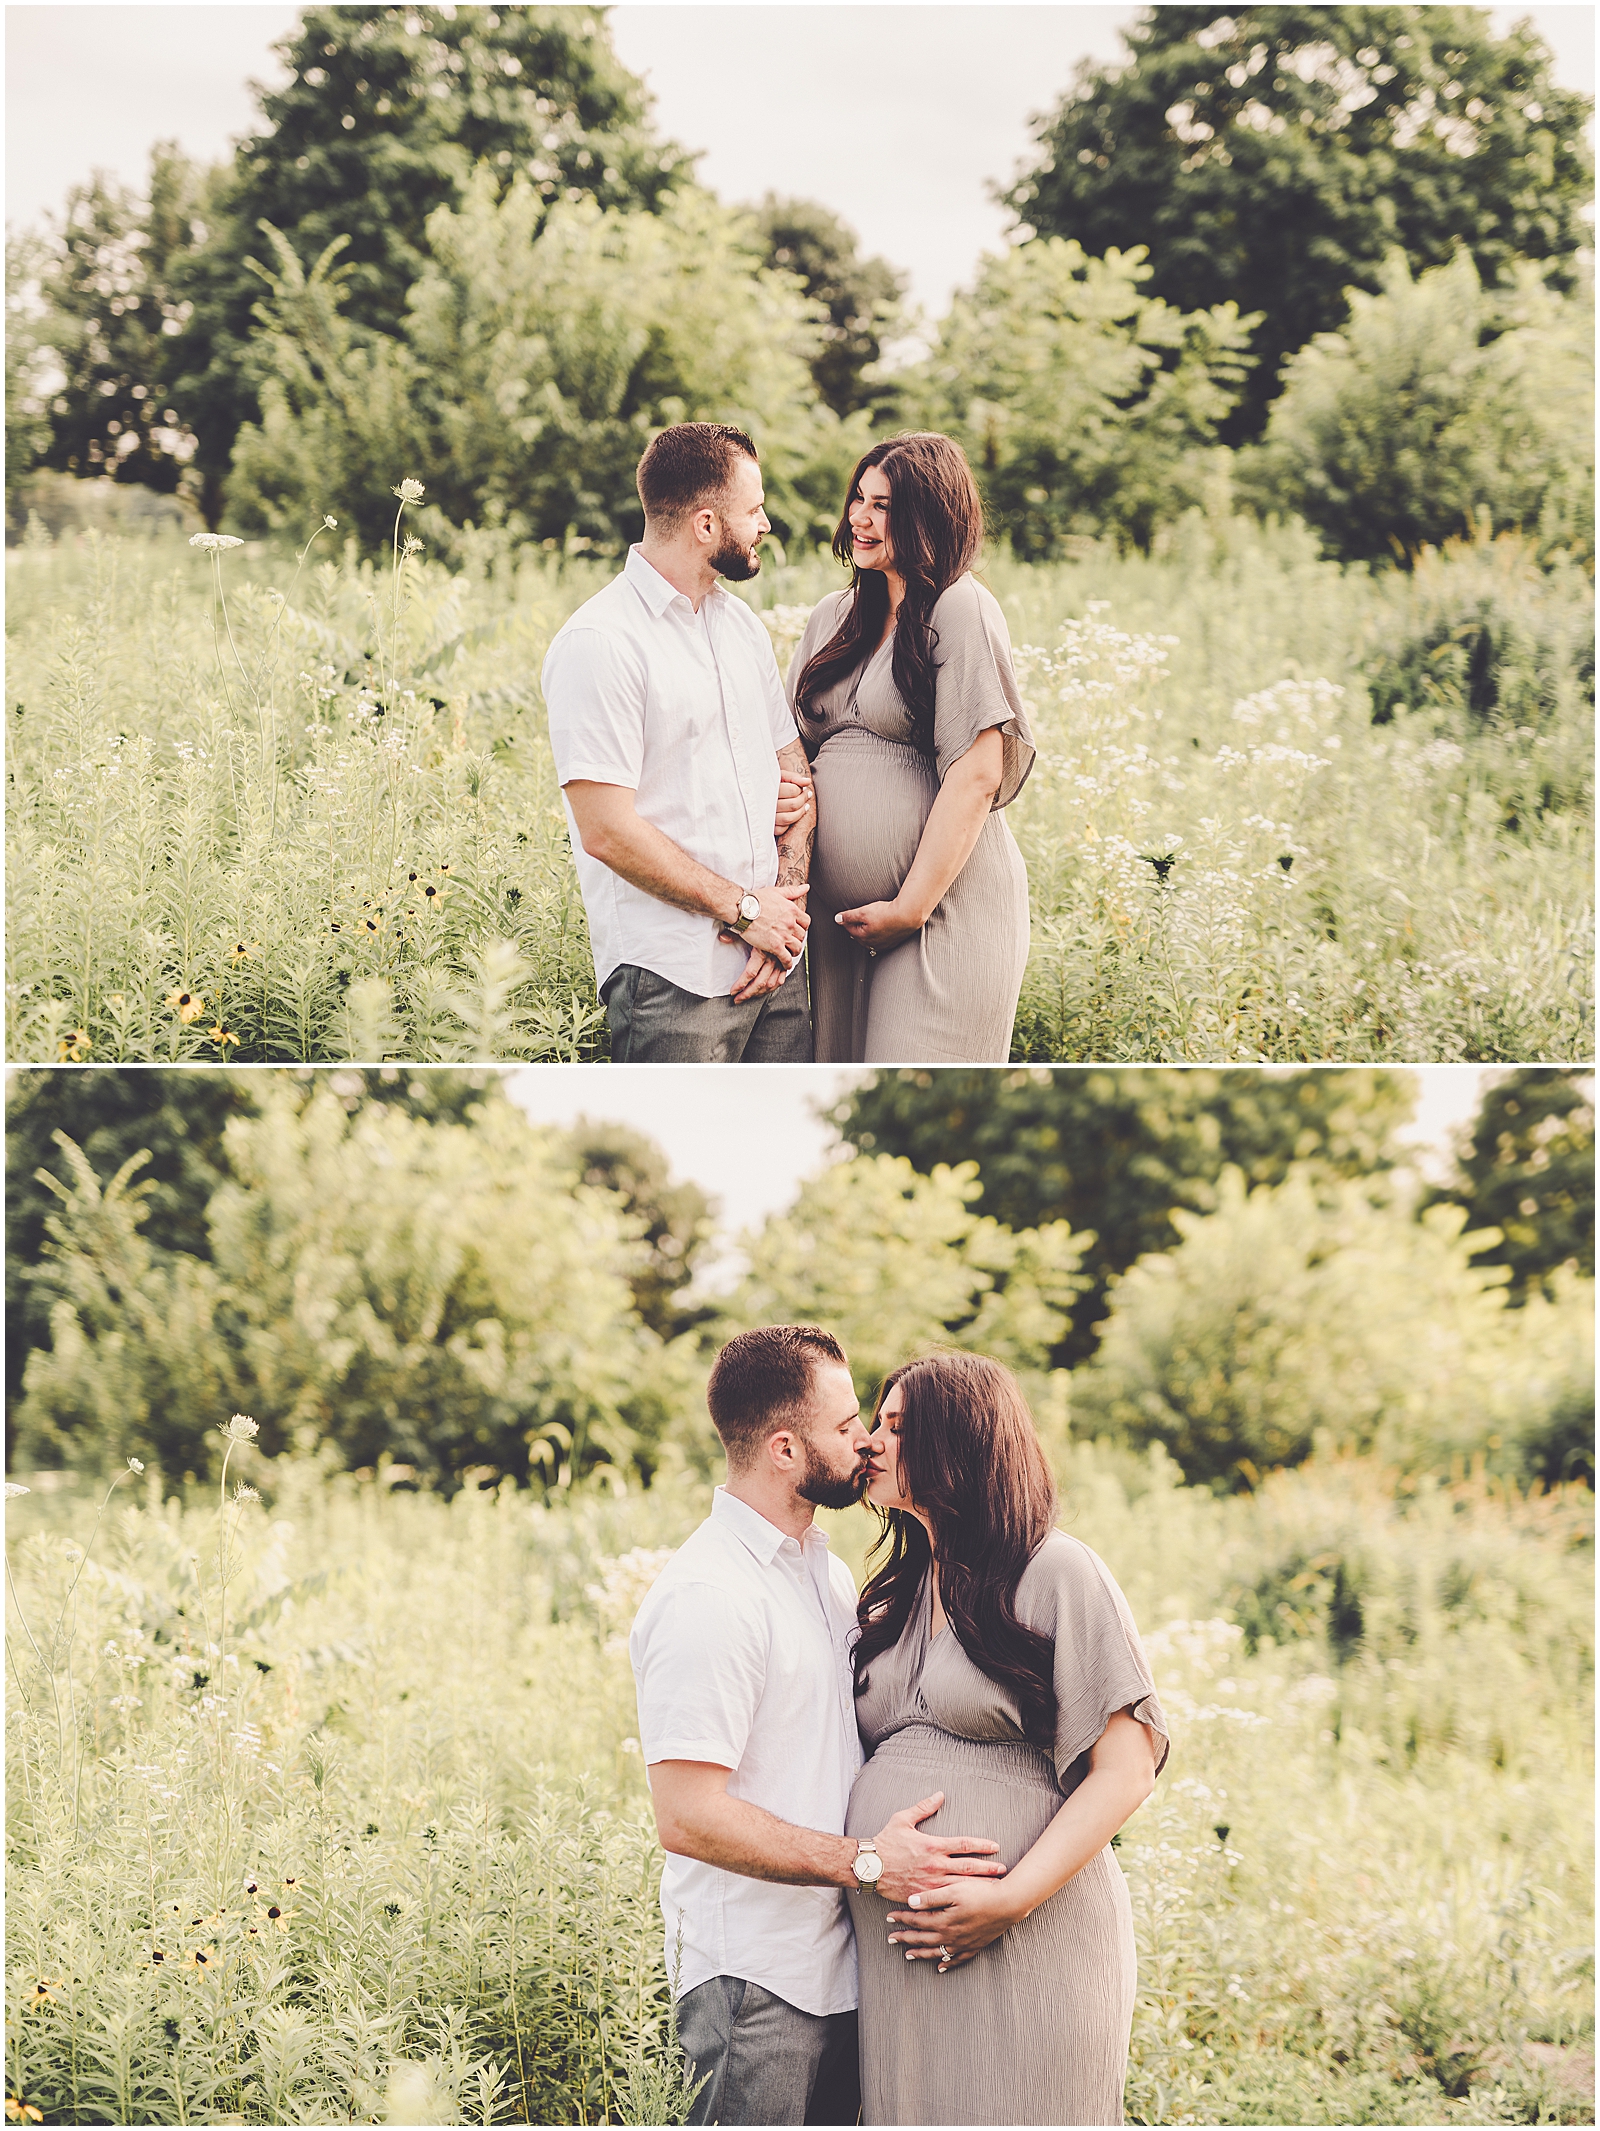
(671, 732)
(741, 1655)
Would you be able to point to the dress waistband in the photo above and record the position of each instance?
(1003, 1760)
(864, 736)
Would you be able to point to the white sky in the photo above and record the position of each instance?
(895, 116)
(749, 1137)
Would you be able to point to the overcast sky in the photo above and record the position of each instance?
(897, 117)
(750, 1137)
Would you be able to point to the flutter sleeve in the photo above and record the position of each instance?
(1069, 1594)
(975, 686)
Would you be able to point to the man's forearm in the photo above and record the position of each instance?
(747, 1839)
(647, 858)
(794, 845)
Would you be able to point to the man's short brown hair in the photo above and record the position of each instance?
(762, 1381)
(688, 467)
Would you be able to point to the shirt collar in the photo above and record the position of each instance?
(657, 593)
(756, 1532)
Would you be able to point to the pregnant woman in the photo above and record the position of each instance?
(906, 702)
(998, 1662)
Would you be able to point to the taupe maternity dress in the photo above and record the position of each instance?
(1034, 2030)
(947, 995)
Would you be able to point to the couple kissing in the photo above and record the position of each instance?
(889, 1894)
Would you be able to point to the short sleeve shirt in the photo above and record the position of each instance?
(687, 711)
(741, 1657)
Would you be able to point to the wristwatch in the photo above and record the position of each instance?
(749, 911)
(869, 1865)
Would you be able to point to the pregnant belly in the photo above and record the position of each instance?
(873, 798)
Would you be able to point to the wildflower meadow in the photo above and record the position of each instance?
(326, 1802)
(273, 803)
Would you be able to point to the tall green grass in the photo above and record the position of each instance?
(1361, 1890)
(269, 809)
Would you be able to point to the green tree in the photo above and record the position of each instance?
(387, 113)
(543, 348)
(437, 1292)
(176, 1118)
(1087, 405)
(1526, 1167)
(676, 1221)
(111, 317)
(895, 1264)
(1115, 1151)
(863, 299)
(1274, 156)
(1290, 1318)
(31, 368)
(1440, 409)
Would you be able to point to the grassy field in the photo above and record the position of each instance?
(327, 1807)
(263, 810)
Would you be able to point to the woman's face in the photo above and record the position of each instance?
(870, 546)
(885, 1488)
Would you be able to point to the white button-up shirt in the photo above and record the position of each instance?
(741, 1655)
(686, 710)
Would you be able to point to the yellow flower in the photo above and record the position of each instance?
(188, 1006)
(22, 2112)
(203, 1959)
(73, 1049)
(221, 1035)
(277, 1916)
(47, 1993)
(244, 950)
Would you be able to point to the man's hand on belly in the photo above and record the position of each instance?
(914, 1863)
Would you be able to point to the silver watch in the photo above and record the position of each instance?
(869, 1865)
(749, 911)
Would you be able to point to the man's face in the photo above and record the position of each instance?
(739, 527)
(833, 1440)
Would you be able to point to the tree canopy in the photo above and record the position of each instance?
(1526, 1167)
(1273, 157)
(861, 298)
(387, 114)
(1115, 1151)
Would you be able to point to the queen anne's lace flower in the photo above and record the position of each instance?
(214, 543)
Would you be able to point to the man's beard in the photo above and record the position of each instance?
(734, 562)
(821, 1487)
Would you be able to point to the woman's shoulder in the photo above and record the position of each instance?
(1063, 1566)
(968, 601)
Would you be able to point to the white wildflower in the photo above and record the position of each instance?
(136, 1465)
(409, 491)
(241, 1428)
(214, 543)
(14, 1487)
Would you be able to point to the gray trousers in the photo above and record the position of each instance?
(656, 1022)
(768, 2062)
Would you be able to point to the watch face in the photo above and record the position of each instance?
(750, 907)
(869, 1866)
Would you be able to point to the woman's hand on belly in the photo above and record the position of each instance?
(953, 1922)
(879, 926)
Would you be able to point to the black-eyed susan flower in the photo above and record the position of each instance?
(157, 1958)
(203, 1959)
(22, 2112)
(290, 1885)
(221, 1035)
(277, 1916)
(445, 867)
(73, 1049)
(244, 950)
(252, 1885)
(432, 891)
(46, 1993)
(188, 1006)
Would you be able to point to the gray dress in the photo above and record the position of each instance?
(1034, 2030)
(948, 995)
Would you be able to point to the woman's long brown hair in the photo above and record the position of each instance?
(971, 1460)
(936, 530)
